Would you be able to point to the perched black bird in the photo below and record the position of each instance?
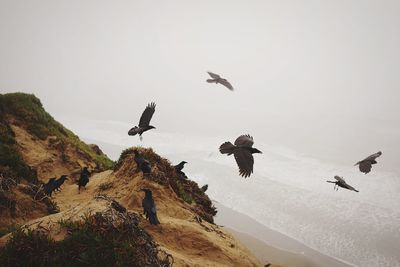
(83, 178)
(59, 182)
(144, 123)
(242, 150)
(218, 79)
(366, 164)
(204, 188)
(149, 207)
(340, 182)
(142, 163)
(49, 186)
(178, 169)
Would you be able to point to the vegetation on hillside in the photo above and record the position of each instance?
(164, 173)
(27, 111)
(110, 238)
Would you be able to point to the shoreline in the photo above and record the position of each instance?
(270, 246)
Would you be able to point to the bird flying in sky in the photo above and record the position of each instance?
(218, 79)
(144, 123)
(365, 165)
(243, 152)
(340, 182)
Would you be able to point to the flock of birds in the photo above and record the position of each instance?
(242, 150)
(54, 184)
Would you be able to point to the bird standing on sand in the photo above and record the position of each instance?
(340, 182)
(83, 178)
(59, 182)
(242, 150)
(149, 207)
(142, 163)
(218, 79)
(178, 169)
(365, 165)
(144, 123)
(49, 186)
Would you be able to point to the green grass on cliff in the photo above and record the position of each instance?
(27, 111)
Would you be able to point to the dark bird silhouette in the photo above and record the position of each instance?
(204, 188)
(144, 123)
(59, 182)
(178, 169)
(340, 182)
(83, 178)
(49, 186)
(218, 79)
(365, 165)
(242, 150)
(142, 163)
(149, 207)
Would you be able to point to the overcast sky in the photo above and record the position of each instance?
(320, 76)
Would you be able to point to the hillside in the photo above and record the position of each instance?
(33, 148)
(102, 225)
(183, 233)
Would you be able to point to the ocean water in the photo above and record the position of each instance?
(287, 192)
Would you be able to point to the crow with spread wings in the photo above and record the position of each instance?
(218, 79)
(365, 165)
(340, 182)
(144, 123)
(243, 152)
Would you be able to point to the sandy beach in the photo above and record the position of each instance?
(270, 246)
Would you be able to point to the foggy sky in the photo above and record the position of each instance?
(320, 76)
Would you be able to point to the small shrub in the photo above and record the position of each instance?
(106, 185)
(95, 241)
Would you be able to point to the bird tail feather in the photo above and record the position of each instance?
(153, 219)
(211, 81)
(227, 148)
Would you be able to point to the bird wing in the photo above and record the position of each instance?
(245, 162)
(226, 84)
(213, 75)
(153, 208)
(244, 141)
(365, 166)
(373, 157)
(350, 187)
(147, 114)
(340, 179)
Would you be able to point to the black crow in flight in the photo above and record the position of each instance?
(242, 150)
(218, 79)
(149, 207)
(144, 123)
(366, 164)
(340, 182)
